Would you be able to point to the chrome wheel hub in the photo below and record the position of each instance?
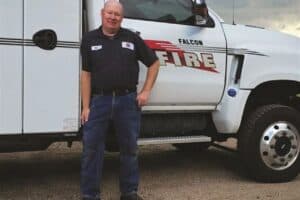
(279, 146)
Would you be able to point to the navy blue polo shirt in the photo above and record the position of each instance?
(113, 61)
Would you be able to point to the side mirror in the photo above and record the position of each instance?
(201, 15)
(201, 20)
(200, 12)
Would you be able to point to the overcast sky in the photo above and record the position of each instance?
(281, 15)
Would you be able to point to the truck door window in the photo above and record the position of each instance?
(170, 11)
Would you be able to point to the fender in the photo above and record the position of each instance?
(228, 116)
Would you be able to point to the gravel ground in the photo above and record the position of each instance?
(166, 174)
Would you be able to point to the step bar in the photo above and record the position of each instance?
(174, 140)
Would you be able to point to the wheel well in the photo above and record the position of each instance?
(274, 92)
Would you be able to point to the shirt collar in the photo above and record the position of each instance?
(101, 34)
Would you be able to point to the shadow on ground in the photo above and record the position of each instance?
(54, 174)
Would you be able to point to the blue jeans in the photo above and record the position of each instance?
(126, 116)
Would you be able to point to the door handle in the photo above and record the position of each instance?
(45, 39)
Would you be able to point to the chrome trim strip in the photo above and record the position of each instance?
(28, 42)
(188, 48)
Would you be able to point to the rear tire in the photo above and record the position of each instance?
(269, 143)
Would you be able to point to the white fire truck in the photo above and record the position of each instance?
(216, 80)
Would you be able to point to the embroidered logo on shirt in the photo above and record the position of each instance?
(96, 48)
(128, 45)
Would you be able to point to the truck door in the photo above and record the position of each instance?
(51, 65)
(193, 58)
(11, 51)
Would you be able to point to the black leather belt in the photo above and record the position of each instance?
(113, 92)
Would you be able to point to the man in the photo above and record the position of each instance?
(109, 77)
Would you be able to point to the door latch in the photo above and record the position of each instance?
(45, 39)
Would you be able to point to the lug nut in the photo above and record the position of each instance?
(291, 155)
(282, 159)
(266, 138)
(294, 146)
(275, 156)
(265, 153)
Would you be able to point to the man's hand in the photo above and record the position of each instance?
(142, 98)
(85, 95)
(85, 115)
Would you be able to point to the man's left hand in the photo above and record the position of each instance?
(142, 98)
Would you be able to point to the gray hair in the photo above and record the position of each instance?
(108, 2)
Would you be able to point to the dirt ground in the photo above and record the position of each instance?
(166, 174)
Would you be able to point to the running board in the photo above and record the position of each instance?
(174, 140)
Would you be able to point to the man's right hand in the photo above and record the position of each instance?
(85, 115)
(85, 95)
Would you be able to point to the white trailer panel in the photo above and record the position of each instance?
(11, 66)
(51, 77)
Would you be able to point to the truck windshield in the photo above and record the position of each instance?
(171, 11)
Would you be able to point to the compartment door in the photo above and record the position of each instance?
(51, 65)
(11, 66)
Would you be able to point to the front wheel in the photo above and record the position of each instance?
(269, 143)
